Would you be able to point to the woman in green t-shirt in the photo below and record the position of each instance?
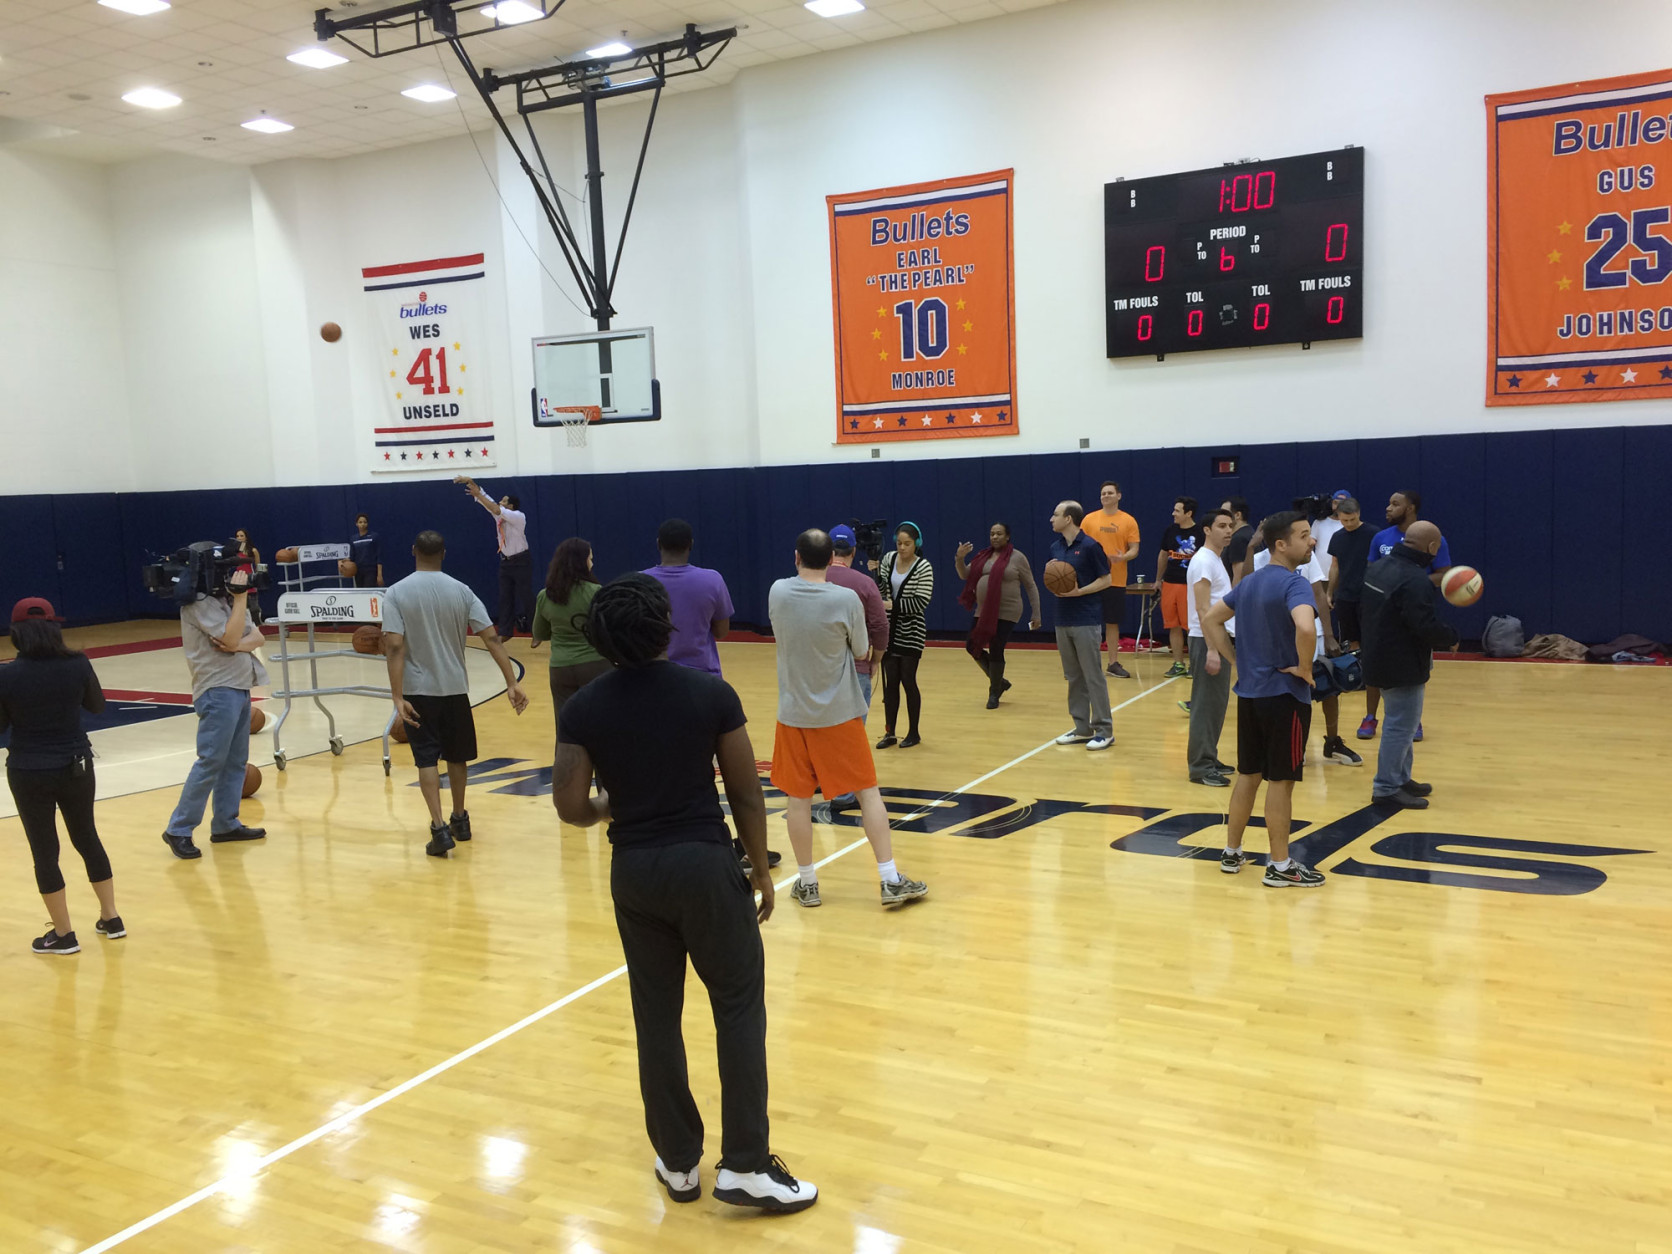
(558, 612)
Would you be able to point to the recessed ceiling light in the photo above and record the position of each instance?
(316, 58)
(429, 93)
(152, 98)
(613, 49)
(268, 126)
(512, 12)
(139, 8)
(834, 8)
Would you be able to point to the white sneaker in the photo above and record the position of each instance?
(773, 1189)
(1074, 738)
(682, 1186)
(1099, 742)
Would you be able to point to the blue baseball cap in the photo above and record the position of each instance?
(1341, 492)
(842, 537)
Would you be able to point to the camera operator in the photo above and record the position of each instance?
(220, 641)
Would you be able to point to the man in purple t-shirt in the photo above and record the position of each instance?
(702, 607)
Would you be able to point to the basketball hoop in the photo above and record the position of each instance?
(574, 419)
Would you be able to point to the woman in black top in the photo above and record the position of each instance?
(907, 582)
(676, 885)
(50, 766)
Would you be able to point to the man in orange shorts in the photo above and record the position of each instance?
(1179, 543)
(821, 744)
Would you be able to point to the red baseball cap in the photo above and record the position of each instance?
(38, 608)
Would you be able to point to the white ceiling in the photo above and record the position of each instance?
(65, 64)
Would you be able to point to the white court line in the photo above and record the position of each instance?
(351, 1116)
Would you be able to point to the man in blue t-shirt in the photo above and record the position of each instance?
(1404, 508)
(1080, 630)
(1277, 631)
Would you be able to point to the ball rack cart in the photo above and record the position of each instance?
(309, 601)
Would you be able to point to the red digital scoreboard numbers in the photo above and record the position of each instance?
(1262, 253)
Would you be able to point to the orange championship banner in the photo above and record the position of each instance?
(1579, 245)
(923, 289)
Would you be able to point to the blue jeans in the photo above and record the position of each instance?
(223, 751)
(1401, 716)
(848, 798)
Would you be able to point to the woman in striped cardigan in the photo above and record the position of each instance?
(907, 581)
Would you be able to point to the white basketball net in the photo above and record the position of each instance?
(573, 421)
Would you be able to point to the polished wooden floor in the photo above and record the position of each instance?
(1067, 1046)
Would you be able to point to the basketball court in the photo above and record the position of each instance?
(1086, 1037)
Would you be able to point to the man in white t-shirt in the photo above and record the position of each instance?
(516, 563)
(1207, 581)
(1316, 573)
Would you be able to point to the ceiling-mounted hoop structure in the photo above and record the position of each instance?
(407, 27)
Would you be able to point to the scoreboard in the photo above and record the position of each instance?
(1265, 252)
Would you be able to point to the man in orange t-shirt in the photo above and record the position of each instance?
(1117, 531)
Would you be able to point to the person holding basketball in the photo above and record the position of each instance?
(1080, 628)
(1401, 632)
(676, 886)
(1404, 509)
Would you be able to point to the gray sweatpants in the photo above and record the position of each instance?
(1209, 695)
(1088, 687)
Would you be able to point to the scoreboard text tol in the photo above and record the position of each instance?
(1258, 253)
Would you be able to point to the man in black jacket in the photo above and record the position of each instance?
(1401, 632)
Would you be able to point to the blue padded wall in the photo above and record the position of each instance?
(1496, 496)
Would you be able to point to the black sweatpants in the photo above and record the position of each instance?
(692, 899)
(899, 670)
(516, 593)
(991, 659)
(39, 796)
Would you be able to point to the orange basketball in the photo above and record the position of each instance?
(1060, 577)
(285, 555)
(1462, 585)
(397, 733)
(347, 569)
(330, 333)
(258, 719)
(368, 639)
(252, 779)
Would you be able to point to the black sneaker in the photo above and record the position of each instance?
(183, 846)
(1416, 789)
(52, 943)
(773, 857)
(441, 840)
(111, 928)
(1404, 799)
(1213, 779)
(1336, 750)
(459, 826)
(911, 740)
(1296, 876)
(1117, 670)
(888, 741)
(238, 833)
(1233, 860)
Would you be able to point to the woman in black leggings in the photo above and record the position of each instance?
(907, 583)
(50, 767)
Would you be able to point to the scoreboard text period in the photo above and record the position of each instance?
(1268, 252)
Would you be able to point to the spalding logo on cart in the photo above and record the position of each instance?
(331, 610)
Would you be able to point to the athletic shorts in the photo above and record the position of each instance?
(1347, 621)
(446, 730)
(832, 760)
(1175, 605)
(1114, 605)
(1271, 736)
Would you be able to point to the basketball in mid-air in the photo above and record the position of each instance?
(1462, 585)
(1060, 577)
(330, 333)
(252, 779)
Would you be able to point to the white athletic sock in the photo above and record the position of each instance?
(889, 872)
(1283, 865)
(1233, 849)
(807, 874)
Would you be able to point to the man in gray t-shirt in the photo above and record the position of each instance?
(427, 619)
(820, 744)
(219, 641)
